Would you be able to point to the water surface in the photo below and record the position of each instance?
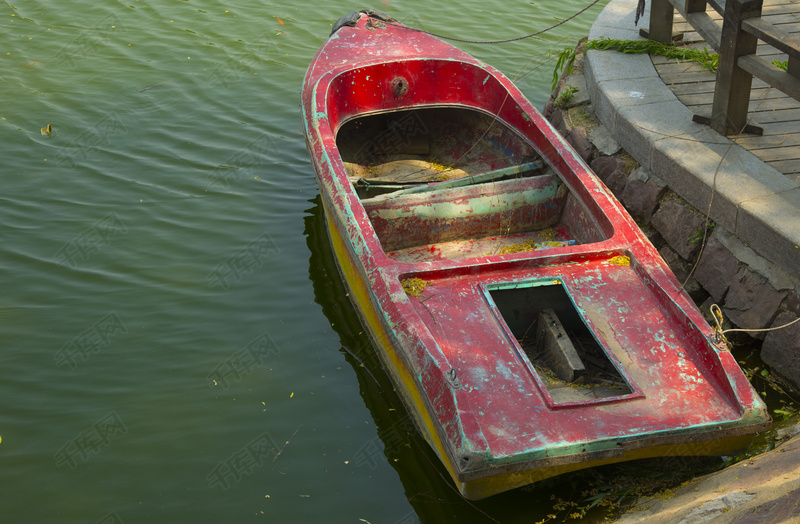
(176, 344)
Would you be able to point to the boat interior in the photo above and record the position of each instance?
(443, 183)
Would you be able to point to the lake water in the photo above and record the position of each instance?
(176, 343)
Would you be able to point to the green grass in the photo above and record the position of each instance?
(708, 61)
(781, 65)
(566, 58)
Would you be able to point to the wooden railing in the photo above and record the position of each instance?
(735, 40)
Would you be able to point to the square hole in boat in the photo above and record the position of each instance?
(559, 346)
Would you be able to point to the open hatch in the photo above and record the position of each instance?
(558, 347)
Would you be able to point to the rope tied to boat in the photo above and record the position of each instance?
(454, 39)
(716, 313)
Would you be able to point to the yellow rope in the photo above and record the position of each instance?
(716, 313)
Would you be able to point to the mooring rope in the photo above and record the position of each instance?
(537, 33)
(716, 313)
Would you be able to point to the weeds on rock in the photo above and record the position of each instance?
(565, 63)
(567, 94)
(610, 491)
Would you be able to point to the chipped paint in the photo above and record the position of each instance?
(453, 355)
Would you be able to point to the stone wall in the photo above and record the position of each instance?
(716, 267)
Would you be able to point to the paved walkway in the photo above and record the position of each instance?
(776, 113)
(761, 490)
(751, 199)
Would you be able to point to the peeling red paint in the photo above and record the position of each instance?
(457, 360)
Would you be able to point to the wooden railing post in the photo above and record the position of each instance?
(696, 6)
(793, 67)
(732, 93)
(661, 15)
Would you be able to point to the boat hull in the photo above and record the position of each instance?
(491, 255)
(499, 479)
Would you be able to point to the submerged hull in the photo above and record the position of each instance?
(529, 326)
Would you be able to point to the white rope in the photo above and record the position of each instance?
(716, 312)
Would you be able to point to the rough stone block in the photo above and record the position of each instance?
(580, 95)
(678, 265)
(577, 139)
(745, 187)
(635, 128)
(557, 119)
(781, 349)
(770, 226)
(548, 108)
(603, 107)
(605, 65)
(604, 141)
(681, 270)
(751, 302)
(681, 228)
(642, 198)
(620, 16)
(713, 508)
(616, 31)
(611, 171)
(716, 269)
(793, 302)
(653, 236)
(644, 93)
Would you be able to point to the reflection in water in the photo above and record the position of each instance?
(426, 481)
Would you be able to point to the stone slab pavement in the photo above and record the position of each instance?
(761, 490)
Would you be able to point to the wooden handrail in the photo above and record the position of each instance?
(772, 75)
(693, 11)
(773, 35)
(735, 41)
(708, 28)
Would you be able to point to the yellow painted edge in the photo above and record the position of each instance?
(488, 486)
(360, 294)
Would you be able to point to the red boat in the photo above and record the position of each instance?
(528, 324)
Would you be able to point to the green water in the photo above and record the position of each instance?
(176, 345)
